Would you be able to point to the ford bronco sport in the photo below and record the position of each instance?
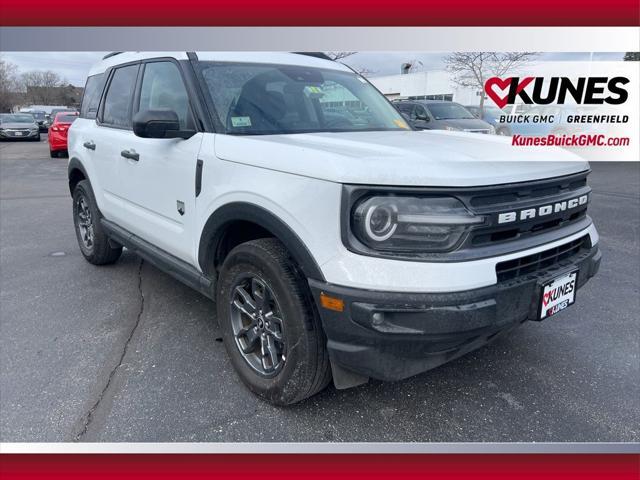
(336, 241)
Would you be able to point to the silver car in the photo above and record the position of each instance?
(18, 126)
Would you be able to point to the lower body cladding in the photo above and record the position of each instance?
(391, 336)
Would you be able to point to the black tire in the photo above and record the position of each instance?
(37, 139)
(99, 250)
(53, 153)
(305, 371)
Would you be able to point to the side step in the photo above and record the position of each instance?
(166, 262)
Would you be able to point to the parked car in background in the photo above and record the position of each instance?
(441, 115)
(55, 111)
(18, 126)
(58, 133)
(491, 115)
(41, 119)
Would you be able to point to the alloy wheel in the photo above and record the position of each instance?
(257, 325)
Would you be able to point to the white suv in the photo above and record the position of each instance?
(336, 241)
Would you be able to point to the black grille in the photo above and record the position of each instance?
(523, 196)
(540, 261)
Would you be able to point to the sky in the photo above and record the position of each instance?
(74, 66)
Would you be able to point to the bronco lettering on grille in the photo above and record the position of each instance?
(543, 210)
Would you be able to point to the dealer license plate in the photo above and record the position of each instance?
(18, 134)
(558, 294)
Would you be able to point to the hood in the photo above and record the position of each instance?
(464, 123)
(18, 125)
(401, 158)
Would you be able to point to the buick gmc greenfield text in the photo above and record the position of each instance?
(336, 241)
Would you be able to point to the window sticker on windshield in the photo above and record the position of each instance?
(401, 123)
(241, 121)
(313, 89)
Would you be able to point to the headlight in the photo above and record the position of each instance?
(411, 224)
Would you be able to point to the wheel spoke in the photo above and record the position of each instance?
(274, 326)
(243, 302)
(272, 351)
(260, 292)
(251, 338)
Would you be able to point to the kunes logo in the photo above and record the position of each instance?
(545, 91)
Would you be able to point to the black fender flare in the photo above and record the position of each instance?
(75, 164)
(214, 229)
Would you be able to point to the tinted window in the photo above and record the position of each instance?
(163, 89)
(449, 111)
(404, 107)
(66, 118)
(91, 97)
(117, 102)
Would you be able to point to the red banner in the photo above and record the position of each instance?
(325, 13)
(321, 466)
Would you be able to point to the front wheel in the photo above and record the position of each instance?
(269, 324)
(92, 239)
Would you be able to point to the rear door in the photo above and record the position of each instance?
(112, 132)
(157, 186)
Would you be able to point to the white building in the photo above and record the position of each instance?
(434, 85)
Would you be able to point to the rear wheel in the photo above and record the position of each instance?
(92, 239)
(53, 153)
(269, 324)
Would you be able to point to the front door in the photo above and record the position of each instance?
(157, 175)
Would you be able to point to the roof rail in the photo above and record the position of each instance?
(112, 54)
(321, 55)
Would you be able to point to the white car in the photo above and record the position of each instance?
(344, 246)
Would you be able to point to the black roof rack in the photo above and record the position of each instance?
(321, 55)
(112, 54)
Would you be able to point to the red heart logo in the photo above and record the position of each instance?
(545, 298)
(501, 102)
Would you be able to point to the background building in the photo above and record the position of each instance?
(432, 85)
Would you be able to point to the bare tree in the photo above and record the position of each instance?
(631, 57)
(339, 55)
(42, 87)
(8, 85)
(472, 69)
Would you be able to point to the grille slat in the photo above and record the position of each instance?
(536, 262)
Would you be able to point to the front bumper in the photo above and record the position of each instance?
(11, 135)
(392, 336)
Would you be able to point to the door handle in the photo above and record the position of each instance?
(130, 154)
(89, 145)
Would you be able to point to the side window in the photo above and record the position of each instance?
(163, 89)
(404, 108)
(91, 98)
(117, 103)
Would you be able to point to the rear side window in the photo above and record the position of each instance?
(117, 103)
(91, 97)
(163, 89)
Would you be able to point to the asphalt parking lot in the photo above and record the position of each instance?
(126, 353)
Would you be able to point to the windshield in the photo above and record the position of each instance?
(257, 99)
(448, 111)
(38, 115)
(23, 118)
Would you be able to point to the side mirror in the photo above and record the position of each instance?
(159, 124)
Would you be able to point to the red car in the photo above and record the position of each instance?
(58, 133)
